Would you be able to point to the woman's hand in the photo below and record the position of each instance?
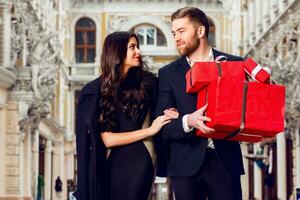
(171, 113)
(157, 124)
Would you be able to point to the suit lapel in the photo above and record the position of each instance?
(183, 66)
(216, 53)
(189, 99)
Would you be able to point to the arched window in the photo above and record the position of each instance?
(149, 35)
(85, 41)
(212, 33)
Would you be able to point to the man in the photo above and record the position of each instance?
(199, 168)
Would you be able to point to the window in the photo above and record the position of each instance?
(85, 41)
(150, 36)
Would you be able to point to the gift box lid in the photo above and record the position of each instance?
(203, 73)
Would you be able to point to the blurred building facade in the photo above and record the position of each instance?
(49, 49)
(269, 31)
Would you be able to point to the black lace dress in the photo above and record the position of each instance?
(131, 167)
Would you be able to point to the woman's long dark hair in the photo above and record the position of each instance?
(117, 91)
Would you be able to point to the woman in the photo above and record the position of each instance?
(112, 113)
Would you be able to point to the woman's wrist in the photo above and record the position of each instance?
(149, 131)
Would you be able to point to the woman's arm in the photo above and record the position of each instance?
(117, 139)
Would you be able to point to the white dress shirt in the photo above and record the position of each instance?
(186, 128)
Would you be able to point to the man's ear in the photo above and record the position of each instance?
(201, 31)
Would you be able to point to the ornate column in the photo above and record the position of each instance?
(281, 4)
(238, 45)
(58, 168)
(258, 17)
(5, 20)
(252, 19)
(274, 9)
(246, 22)
(257, 178)
(48, 170)
(35, 161)
(27, 163)
(245, 177)
(266, 14)
(281, 166)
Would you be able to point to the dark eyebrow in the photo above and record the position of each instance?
(181, 28)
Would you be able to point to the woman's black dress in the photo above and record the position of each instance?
(130, 167)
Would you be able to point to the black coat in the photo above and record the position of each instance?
(91, 152)
(185, 150)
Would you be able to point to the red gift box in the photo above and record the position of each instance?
(263, 107)
(202, 97)
(239, 137)
(256, 71)
(203, 73)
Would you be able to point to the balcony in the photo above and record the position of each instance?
(83, 73)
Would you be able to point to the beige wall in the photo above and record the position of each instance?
(2, 140)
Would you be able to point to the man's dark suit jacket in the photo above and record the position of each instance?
(185, 151)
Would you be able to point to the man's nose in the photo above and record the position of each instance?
(177, 37)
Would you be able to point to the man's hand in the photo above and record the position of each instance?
(197, 119)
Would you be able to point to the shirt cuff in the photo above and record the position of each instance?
(185, 125)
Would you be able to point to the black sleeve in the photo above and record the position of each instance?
(160, 147)
(174, 129)
(91, 159)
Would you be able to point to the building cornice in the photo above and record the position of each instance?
(53, 125)
(139, 7)
(70, 137)
(7, 78)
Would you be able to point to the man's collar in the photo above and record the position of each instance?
(210, 57)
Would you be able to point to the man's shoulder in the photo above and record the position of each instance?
(229, 57)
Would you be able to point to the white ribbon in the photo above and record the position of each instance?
(255, 71)
(267, 69)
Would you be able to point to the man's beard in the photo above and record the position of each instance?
(190, 47)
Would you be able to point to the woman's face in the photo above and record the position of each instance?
(133, 57)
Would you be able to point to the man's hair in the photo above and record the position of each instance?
(194, 14)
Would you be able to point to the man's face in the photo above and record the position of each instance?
(185, 35)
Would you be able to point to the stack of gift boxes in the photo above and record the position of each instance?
(240, 109)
